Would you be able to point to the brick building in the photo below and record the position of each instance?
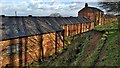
(25, 39)
(92, 13)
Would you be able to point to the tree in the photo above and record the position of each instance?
(55, 15)
(111, 6)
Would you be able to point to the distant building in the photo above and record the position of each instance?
(109, 18)
(55, 15)
(92, 13)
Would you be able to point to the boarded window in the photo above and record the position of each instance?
(13, 49)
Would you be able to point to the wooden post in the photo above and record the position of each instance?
(63, 38)
(95, 20)
(70, 30)
(85, 27)
(26, 42)
(77, 28)
(90, 26)
(41, 42)
(20, 53)
(74, 30)
(10, 55)
(81, 28)
(67, 30)
(56, 42)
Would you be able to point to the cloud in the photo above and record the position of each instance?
(10, 8)
(108, 0)
(36, 1)
(41, 7)
(84, 0)
(95, 0)
(38, 8)
(61, 8)
(54, 6)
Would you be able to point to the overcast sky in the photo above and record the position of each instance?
(44, 7)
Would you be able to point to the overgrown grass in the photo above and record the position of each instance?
(111, 52)
(69, 55)
(109, 26)
(80, 42)
(74, 54)
(90, 60)
(81, 56)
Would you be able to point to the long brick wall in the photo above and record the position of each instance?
(33, 52)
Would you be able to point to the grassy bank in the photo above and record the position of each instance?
(85, 48)
(78, 52)
(111, 56)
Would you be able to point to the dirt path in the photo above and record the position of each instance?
(102, 50)
(94, 42)
(95, 36)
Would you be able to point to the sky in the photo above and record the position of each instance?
(44, 7)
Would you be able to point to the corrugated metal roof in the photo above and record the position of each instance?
(68, 20)
(52, 23)
(19, 26)
(72, 20)
(82, 20)
(87, 19)
(14, 27)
